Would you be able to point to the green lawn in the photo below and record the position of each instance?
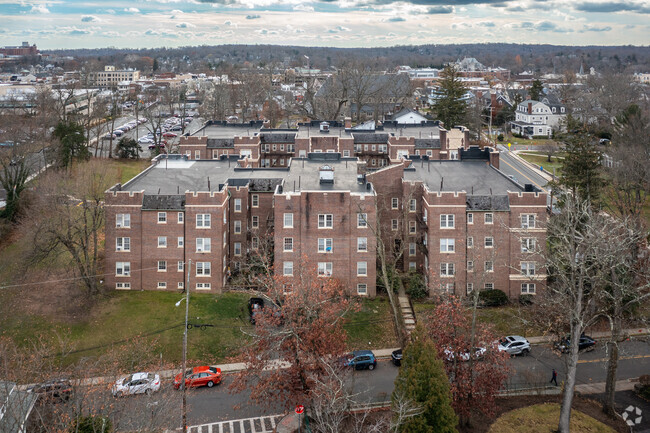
(371, 326)
(543, 418)
(543, 161)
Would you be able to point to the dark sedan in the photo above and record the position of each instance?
(586, 343)
(396, 357)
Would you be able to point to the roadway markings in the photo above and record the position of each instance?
(515, 169)
(584, 361)
(262, 424)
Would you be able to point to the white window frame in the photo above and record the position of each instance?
(324, 243)
(123, 244)
(202, 286)
(489, 242)
(413, 205)
(412, 227)
(237, 249)
(394, 224)
(447, 221)
(162, 285)
(527, 268)
(362, 289)
(287, 242)
(162, 265)
(288, 221)
(488, 218)
(362, 269)
(362, 245)
(255, 222)
(237, 227)
(362, 220)
(180, 242)
(237, 205)
(162, 241)
(528, 221)
(203, 269)
(412, 249)
(394, 203)
(528, 245)
(180, 266)
(447, 245)
(528, 289)
(287, 269)
(447, 270)
(123, 221)
(203, 245)
(180, 218)
(204, 220)
(470, 242)
(488, 286)
(162, 217)
(122, 285)
(470, 218)
(255, 200)
(123, 269)
(470, 288)
(324, 269)
(489, 266)
(325, 221)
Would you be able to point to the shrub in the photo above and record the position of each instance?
(526, 299)
(92, 424)
(414, 283)
(493, 298)
(500, 137)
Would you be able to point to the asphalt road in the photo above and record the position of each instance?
(208, 405)
(523, 173)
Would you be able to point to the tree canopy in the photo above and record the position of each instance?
(450, 107)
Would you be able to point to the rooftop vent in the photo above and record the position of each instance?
(326, 174)
(324, 127)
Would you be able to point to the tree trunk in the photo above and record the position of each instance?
(612, 366)
(569, 384)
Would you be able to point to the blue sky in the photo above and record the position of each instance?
(339, 23)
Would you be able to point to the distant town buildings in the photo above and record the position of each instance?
(111, 77)
(19, 51)
(538, 118)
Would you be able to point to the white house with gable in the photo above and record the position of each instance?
(538, 118)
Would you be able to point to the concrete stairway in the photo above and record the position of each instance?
(407, 312)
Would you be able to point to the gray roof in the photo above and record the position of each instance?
(488, 202)
(473, 177)
(427, 143)
(370, 138)
(278, 137)
(163, 202)
(220, 143)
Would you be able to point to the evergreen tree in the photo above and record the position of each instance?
(72, 142)
(128, 148)
(450, 107)
(423, 381)
(536, 90)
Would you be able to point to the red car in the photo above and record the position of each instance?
(199, 376)
(169, 135)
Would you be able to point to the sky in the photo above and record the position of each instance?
(61, 24)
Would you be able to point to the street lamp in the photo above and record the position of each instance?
(187, 313)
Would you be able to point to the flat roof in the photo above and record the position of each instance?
(473, 177)
(177, 176)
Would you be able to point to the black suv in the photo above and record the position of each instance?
(586, 343)
(55, 391)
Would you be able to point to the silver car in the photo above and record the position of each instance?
(137, 383)
(514, 345)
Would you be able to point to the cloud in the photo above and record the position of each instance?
(612, 6)
(395, 20)
(266, 32)
(338, 29)
(78, 32)
(434, 10)
(89, 19)
(184, 25)
(303, 8)
(40, 9)
(253, 17)
(152, 33)
(516, 9)
(589, 28)
(487, 24)
(132, 10)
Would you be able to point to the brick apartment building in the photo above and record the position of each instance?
(461, 223)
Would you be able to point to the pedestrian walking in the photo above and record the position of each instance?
(554, 378)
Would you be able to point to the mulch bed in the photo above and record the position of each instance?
(481, 424)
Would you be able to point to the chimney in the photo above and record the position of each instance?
(348, 122)
(493, 98)
(530, 108)
(266, 124)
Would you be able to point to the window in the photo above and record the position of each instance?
(288, 220)
(180, 242)
(470, 242)
(288, 244)
(489, 242)
(362, 289)
(325, 221)
(394, 203)
(255, 200)
(470, 218)
(202, 269)
(489, 266)
(324, 245)
(412, 227)
(447, 221)
(122, 285)
(255, 222)
(237, 227)
(162, 265)
(162, 284)
(362, 220)
(180, 285)
(123, 220)
(528, 245)
(528, 289)
(346, 154)
(225, 217)
(162, 217)
(470, 288)
(287, 268)
(446, 269)
(202, 286)
(362, 245)
(413, 204)
(181, 217)
(203, 245)
(393, 224)
(412, 249)
(488, 218)
(237, 248)
(489, 286)
(123, 244)
(528, 268)
(362, 269)
(528, 221)
(203, 220)
(470, 266)
(447, 245)
(197, 154)
(123, 269)
(325, 269)
(180, 266)
(162, 241)
(255, 242)
(237, 205)
(424, 216)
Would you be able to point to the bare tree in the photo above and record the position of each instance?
(549, 148)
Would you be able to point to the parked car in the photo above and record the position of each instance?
(514, 345)
(169, 135)
(199, 376)
(161, 146)
(360, 359)
(137, 383)
(118, 133)
(54, 391)
(255, 306)
(586, 343)
(479, 352)
(176, 128)
(396, 357)
(145, 140)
